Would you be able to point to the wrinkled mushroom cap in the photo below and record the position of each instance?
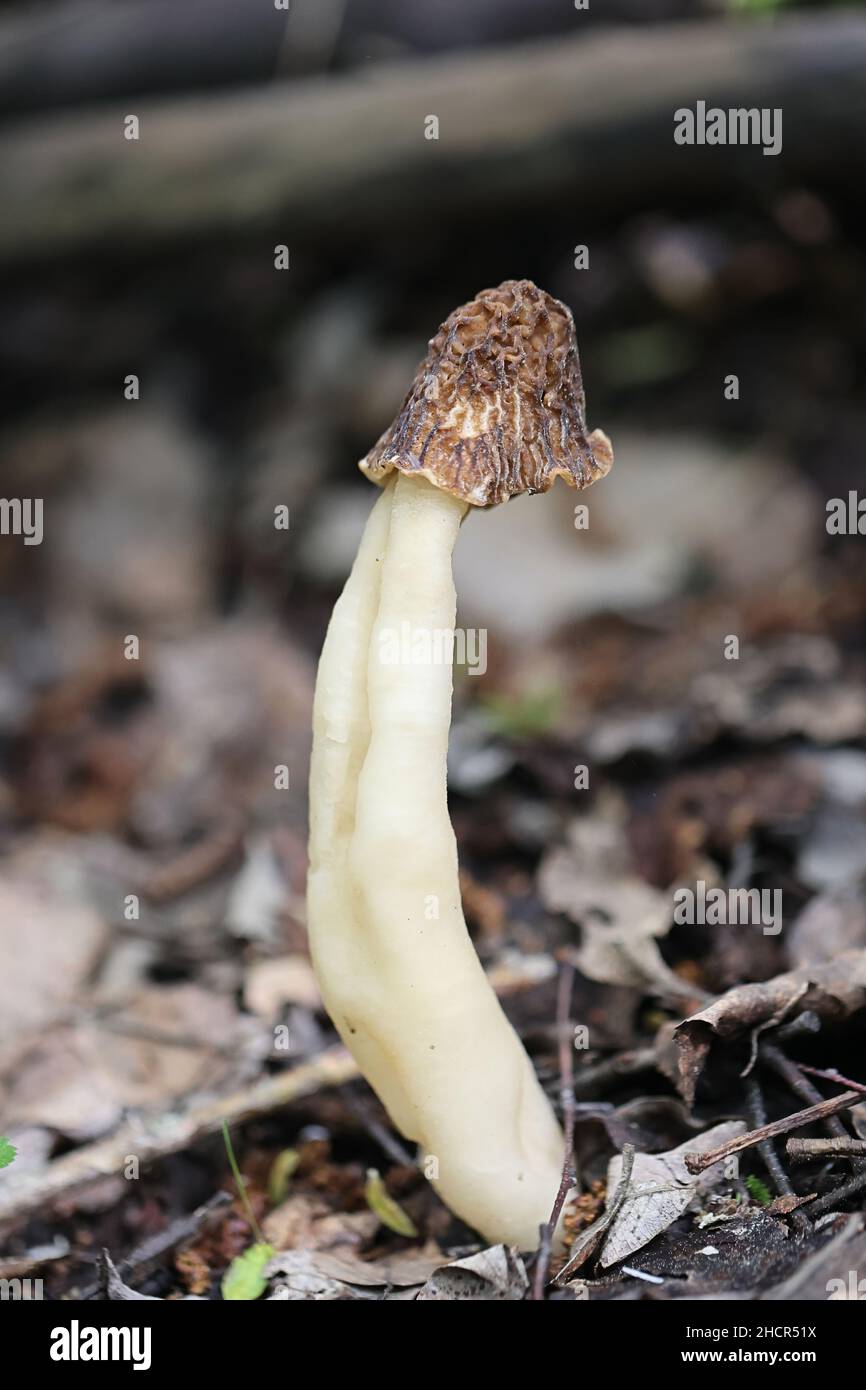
(497, 406)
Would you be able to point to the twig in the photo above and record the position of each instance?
(799, 1084)
(698, 1162)
(801, 1150)
(140, 1032)
(839, 1194)
(589, 1239)
(388, 1142)
(141, 1261)
(831, 1074)
(149, 1137)
(566, 1074)
(614, 1068)
(772, 1162)
(216, 851)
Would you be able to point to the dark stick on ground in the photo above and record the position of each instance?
(831, 1074)
(615, 1068)
(590, 1239)
(799, 1084)
(566, 1075)
(758, 1116)
(146, 1256)
(388, 1142)
(801, 1150)
(833, 1200)
(698, 1162)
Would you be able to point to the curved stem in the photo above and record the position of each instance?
(398, 970)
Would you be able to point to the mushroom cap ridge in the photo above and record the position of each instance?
(497, 406)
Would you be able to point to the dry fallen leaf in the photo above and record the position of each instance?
(404, 1269)
(496, 1273)
(660, 1190)
(166, 1042)
(833, 990)
(308, 1222)
(620, 915)
(299, 1279)
(828, 925)
(270, 984)
(48, 951)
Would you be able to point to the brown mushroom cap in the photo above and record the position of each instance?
(497, 406)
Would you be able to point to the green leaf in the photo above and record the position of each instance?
(7, 1153)
(529, 715)
(758, 1191)
(387, 1210)
(282, 1170)
(244, 1280)
(756, 6)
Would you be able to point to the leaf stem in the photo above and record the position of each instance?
(241, 1185)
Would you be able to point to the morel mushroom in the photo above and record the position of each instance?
(496, 409)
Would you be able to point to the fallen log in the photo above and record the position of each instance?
(583, 125)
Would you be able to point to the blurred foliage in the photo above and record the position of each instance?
(748, 7)
(528, 715)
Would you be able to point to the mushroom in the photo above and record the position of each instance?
(496, 409)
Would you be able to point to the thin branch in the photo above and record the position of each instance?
(840, 1194)
(615, 1068)
(388, 1142)
(590, 1239)
(566, 1075)
(772, 1162)
(801, 1150)
(799, 1084)
(831, 1074)
(144, 1257)
(698, 1162)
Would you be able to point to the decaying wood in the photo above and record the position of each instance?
(580, 119)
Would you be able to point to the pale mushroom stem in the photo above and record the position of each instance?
(398, 971)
